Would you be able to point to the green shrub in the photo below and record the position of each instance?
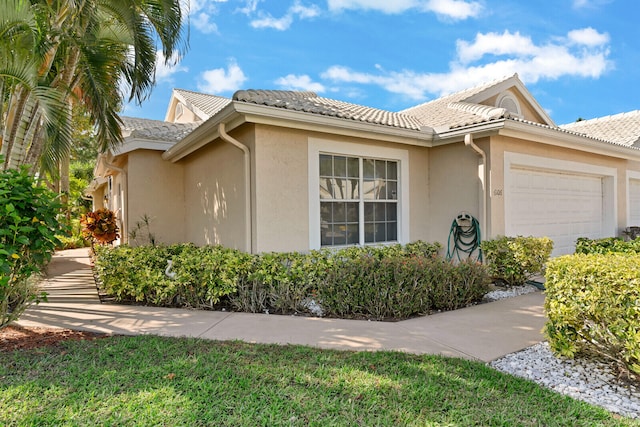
(397, 287)
(377, 282)
(607, 245)
(593, 305)
(513, 260)
(198, 277)
(28, 228)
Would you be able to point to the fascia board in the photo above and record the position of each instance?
(261, 114)
(142, 144)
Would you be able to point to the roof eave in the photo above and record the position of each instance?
(541, 134)
(237, 113)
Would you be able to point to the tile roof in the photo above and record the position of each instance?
(157, 130)
(310, 102)
(450, 112)
(205, 103)
(623, 129)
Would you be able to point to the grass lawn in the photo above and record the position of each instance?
(155, 381)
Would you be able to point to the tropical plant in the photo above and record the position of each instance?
(28, 228)
(54, 54)
(100, 226)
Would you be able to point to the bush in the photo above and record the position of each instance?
(514, 260)
(28, 228)
(196, 277)
(607, 245)
(593, 305)
(398, 287)
(376, 282)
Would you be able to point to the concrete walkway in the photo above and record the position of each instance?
(483, 332)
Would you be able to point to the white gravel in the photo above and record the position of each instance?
(585, 379)
(509, 292)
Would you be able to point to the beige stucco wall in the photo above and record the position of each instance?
(155, 190)
(455, 187)
(281, 182)
(527, 112)
(280, 190)
(214, 190)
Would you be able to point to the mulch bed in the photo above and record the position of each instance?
(22, 338)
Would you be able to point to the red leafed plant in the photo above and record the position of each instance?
(100, 226)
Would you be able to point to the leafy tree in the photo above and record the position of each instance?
(57, 53)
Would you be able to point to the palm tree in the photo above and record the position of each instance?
(61, 52)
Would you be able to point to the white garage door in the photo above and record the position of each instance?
(634, 202)
(561, 206)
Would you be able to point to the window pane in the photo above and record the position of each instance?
(381, 232)
(339, 235)
(369, 233)
(352, 189)
(392, 190)
(367, 166)
(353, 167)
(353, 234)
(340, 166)
(325, 165)
(368, 212)
(369, 190)
(326, 215)
(392, 211)
(352, 212)
(381, 190)
(326, 231)
(392, 170)
(392, 231)
(339, 188)
(379, 214)
(381, 169)
(339, 213)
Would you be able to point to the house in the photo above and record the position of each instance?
(286, 170)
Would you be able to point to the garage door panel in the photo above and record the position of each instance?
(558, 205)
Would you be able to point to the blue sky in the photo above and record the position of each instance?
(579, 58)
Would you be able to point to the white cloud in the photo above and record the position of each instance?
(588, 37)
(494, 44)
(451, 9)
(200, 14)
(221, 80)
(166, 69)
(302, 82)
(455, 9)
(589, 4)
(582, 53)
(297, 10)
(202, 22)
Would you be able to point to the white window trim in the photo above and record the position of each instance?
(630, 175)
(316, 146)
(608, 175)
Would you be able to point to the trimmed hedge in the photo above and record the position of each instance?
(373, 282)
(514, 260)
(593, 305)
(607, 245)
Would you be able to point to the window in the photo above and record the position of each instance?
(358, 200)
